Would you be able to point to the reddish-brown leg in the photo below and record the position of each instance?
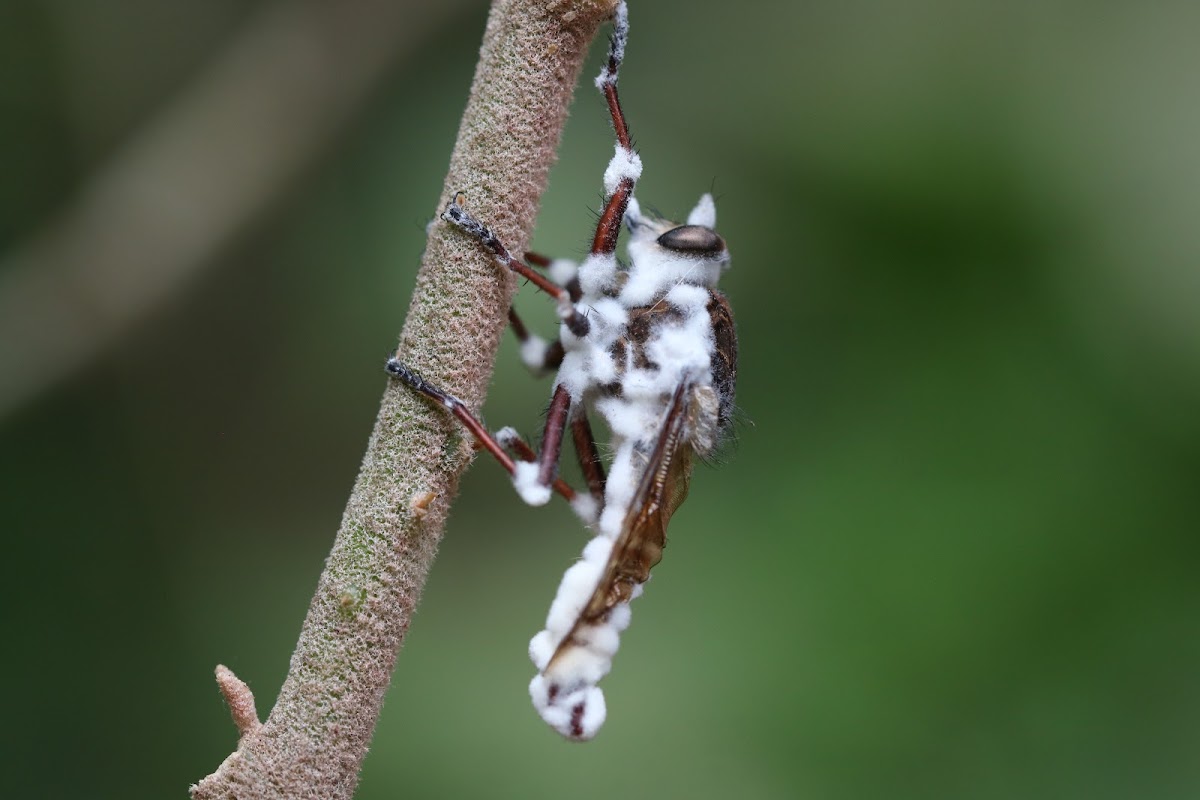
(556, 423)
(457, 215)
(611, 218)
(572, 286)
(551, 438)
(589, 456)
(509, 438)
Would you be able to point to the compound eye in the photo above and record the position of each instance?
(695, 239)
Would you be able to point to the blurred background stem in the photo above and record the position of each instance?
(194, 176)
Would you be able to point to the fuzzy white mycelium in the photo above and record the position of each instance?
(678, 350)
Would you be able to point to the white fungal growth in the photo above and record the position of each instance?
(623, 474)
(586, 508)
(597, 273)
(507, 436)
(633, 212)
(533, 352)
(576, 715)
(576, 588)
(587, 361)
(654, 270)
(705, 212)
(566, 309)
(616, 47)
(525, 479)
(625, 164)
(688, 345)
(564, 691)
(562, 270)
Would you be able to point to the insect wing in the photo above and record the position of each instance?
(663, 487)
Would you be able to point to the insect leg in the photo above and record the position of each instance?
(399, 370)
(539, 355)
(562, 271)
(511, 440)
(556, 423)
(532, 486)
(457, 215)
(552, 438)
(624, 167)
(587, 506)
(589, 456)
(534, 478)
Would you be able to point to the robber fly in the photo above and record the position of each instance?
(651, 349)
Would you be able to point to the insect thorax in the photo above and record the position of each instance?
(644, 341)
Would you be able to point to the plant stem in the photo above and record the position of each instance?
(314, 740)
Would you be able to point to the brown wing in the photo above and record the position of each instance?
(663, 488)
(724, 356)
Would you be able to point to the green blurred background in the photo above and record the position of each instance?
(953, 553)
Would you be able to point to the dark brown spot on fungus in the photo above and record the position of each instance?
(577, 720)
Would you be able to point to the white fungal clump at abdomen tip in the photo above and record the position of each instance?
(565, 692)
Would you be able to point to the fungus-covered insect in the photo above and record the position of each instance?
(650, 348)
